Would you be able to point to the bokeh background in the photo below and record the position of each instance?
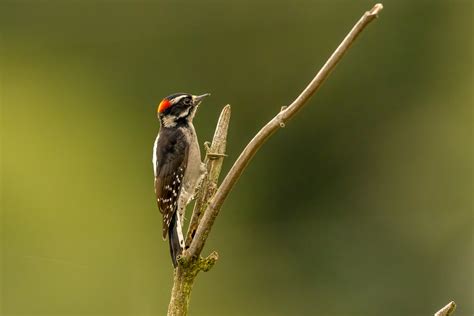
(362, 205)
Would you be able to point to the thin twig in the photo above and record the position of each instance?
(447, 310)
(269, 129)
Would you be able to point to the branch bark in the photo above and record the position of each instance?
(190, 262)
(270, 128)
(184, 276)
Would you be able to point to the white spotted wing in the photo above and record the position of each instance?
(171, 159)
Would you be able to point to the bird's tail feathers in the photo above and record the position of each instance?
(173, 237)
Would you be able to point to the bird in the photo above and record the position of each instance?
(177, 164)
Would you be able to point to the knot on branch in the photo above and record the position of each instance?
(184, 261)
(206, 264)
(214, 156)
(279, 117)
(193, 265)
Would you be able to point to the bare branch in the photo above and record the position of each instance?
(447, 310)
(214, 158)
(269, 129)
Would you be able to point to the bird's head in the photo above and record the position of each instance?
(178, 108)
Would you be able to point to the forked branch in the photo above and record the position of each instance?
(190, 262)
(278, 121)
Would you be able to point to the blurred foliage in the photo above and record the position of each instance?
(362, 205)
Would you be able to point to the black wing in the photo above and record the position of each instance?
(172, 158)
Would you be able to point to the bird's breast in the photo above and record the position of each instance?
(193, 166)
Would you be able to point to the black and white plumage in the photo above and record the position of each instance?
(177, 164)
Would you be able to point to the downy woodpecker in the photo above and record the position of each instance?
(177, 164)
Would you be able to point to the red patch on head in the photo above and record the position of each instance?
(164, 105)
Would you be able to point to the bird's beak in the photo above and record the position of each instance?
(198, 98)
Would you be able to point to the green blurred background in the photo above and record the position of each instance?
(362, 205)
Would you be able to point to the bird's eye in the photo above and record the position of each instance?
(187, 101)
